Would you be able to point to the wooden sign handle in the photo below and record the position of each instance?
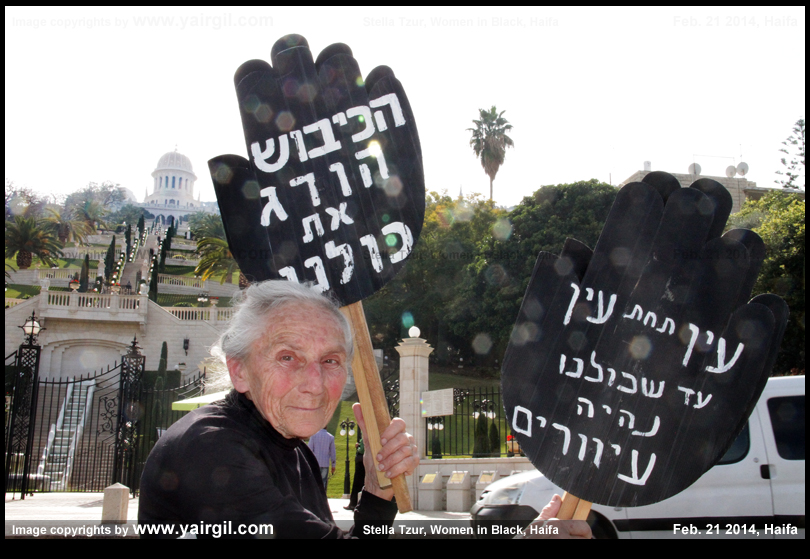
(573, 508)
(372, 397)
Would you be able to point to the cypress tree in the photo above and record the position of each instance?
(109, 261)
(153, 286)
(481, 444)
(84, 278)
(164, 358)
(494, 440)
(162, 263)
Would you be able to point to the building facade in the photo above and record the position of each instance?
(740, 188)
(173, 190)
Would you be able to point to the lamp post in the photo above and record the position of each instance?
(31, 329)
(345, 425)
(20, 429)
(435, 424)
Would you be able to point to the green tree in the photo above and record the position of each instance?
(162, 258)
(23, 201)
(164, 358)
(494, 440)
(779, 219)
(27, 237)
(105, 195)
(489, 141)
(66, 226)
(436, 446)
(216, 258)
(795, 167)
(481, 442)
(128, 238)
(491, 291)
(423, 291)
(129, 214)
(92, 214)
(141, 225)
(109, 261)
(84, 277)
(153, 285)
(202, 224)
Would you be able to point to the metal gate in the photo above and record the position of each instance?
(88, 432)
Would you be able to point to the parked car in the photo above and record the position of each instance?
(755, 490)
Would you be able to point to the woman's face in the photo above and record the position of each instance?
(296, 371)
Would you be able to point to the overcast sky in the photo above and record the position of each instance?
(99, 94)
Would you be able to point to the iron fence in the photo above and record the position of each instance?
(90, 431)
(477, 429)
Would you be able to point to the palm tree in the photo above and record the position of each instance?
(92, 214)
(27, 237)
(216, 257)
(66, 226)
(206, 225)
(489, 141)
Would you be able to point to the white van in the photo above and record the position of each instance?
(756, 490)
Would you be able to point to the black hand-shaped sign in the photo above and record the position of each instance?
(333, 190)
(631, 369)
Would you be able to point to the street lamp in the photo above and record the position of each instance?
(345, 425)
(31, 329)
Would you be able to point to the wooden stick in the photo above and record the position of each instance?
(372, 399)
(574, 508)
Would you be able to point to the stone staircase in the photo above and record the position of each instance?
(65, 434)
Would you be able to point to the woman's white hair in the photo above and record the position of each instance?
(252, 307)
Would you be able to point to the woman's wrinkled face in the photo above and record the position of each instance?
(296, 371)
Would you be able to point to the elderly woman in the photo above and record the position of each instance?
(243, 459)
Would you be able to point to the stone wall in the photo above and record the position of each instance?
(73, 346)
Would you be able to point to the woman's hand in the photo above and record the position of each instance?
(398, 455)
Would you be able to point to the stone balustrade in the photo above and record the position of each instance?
(92, 306)
(61, 273)
(96, 253)
(166, 279)
(186, 285)
(190, 313)
(212, 315)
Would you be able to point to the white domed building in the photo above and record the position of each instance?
(173, 189)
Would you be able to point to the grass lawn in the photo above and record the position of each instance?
(19, 291)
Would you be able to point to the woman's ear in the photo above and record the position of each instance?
(240, 377)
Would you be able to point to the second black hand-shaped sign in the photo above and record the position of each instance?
(631, 369)
(333, 192)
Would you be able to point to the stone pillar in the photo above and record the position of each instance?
(212, 318)
(115, 507)
(45, 285)
(413, 380)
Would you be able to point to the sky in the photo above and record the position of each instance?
(99, 94)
